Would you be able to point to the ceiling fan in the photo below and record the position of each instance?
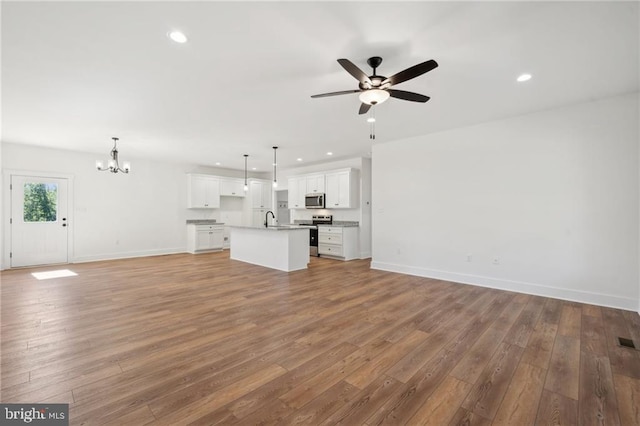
(375, 89)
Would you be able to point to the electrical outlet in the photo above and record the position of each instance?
(469, 257)
(496, 260)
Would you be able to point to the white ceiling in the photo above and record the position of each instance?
(74, 74)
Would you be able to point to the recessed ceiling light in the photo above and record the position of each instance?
(254, 168)
(371, 120)
(298, 159)
(329, 153)
(524, 77)
(217, 164)
(178, 37)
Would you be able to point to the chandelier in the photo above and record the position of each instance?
(113, 164)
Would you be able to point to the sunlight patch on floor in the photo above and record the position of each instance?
(60, 273)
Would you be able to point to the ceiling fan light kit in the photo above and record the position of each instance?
(374, 96)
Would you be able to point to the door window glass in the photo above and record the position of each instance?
(40, 202)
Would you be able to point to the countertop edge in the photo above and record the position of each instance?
(271, 228)
(203, 222)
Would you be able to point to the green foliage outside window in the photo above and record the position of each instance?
(40, 202)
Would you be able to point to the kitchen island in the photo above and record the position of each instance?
(285, 248)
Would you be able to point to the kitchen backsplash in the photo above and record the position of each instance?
(352, 215)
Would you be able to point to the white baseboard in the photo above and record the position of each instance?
(365, 255)
(516, 286)
(127, 255)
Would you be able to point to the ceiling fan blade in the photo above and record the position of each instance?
(354, 70)
(408, 96)
(411, 72)
(344, 92)
(364, 108)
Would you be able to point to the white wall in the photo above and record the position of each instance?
(552, 196)
(365, 208)
(118, 215)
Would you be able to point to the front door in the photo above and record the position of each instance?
(39, 225)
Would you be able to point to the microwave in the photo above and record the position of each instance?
(314, 201)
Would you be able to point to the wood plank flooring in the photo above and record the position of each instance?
(204, 340)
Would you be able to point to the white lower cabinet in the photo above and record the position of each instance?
(201, 238)
(338, 241)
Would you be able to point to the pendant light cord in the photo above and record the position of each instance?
(275, 162)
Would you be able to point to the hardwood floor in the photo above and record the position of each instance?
(202, 339)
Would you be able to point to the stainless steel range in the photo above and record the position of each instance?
(313, 232)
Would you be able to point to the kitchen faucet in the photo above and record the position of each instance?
(266, 218)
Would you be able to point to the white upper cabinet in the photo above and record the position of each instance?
(315, 184)
(297, 187)
(232, 187)
(342, 189)
(340, 186)
(203, 192)
(260, 194)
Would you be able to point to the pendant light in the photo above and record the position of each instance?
(114, 165)
(275, 162)
(246, 187)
